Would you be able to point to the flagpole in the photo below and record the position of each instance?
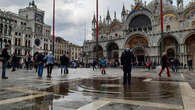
(162, 27)
(53, 50)
(97, 31)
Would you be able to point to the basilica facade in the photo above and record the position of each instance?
(140, 29)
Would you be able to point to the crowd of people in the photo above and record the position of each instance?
(39, 61)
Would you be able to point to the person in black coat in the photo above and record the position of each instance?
(64, 60)
(14, 62)
(6, 57)
(94, 65)
(164, 64)
(190, 64)
(41, 61)
(127, 59)
(176, 63)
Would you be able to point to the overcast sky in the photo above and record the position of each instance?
(73, 17)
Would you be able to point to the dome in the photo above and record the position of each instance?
(167, 4)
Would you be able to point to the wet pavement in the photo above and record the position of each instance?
(84, 89)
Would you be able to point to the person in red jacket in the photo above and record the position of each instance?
(164, 64)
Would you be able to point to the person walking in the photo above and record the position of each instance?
(176, 63)
(127, 59)
(164, 64)
(65, 61)
(50, 63)
(103, 65)
(35, 61)
(27, 61)
(40, 59)
(14, 62)
(190, 64)
(6, 57)
(94, 65)
(148, 65)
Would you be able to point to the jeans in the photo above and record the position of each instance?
(64, 68)
(40, 69)
(127, 75)
(4, 66)
(175, 68)
(49, 69)
(14, 66)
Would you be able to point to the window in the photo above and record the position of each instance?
(29, 43)
(1, 28)
(16, 40)
(168, 28)
(26, 43)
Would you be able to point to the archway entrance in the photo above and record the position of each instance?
(190, 48)
(113, 52)
(140, 56)
(100, 51)
(170, 46)
(138, 44)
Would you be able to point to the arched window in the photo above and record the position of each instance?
(140, 22)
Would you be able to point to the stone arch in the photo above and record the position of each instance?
(139, 44)
(187, 36)
(187, 11)
(136, 40)
(190, 48)
(112, 50)
(167, 36)
(134, 34)
(171, 46)
(137, 13)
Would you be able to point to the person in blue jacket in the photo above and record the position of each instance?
(50, 63)
(103, 65)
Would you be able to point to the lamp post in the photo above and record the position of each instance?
(53, 28)
(97, 30)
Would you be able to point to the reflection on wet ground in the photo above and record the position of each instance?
(74, 94)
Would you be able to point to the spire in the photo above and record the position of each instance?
(145, 3)
(123, 10)
(100, 20)
(108, 16)
(104, 21)
(115, 15)
(94, 19)
(33, 3)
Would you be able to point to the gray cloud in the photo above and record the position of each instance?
(72, 16)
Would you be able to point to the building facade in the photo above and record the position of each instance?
(140, 30)
(75, 52)
(61, 48)
(26, 31)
